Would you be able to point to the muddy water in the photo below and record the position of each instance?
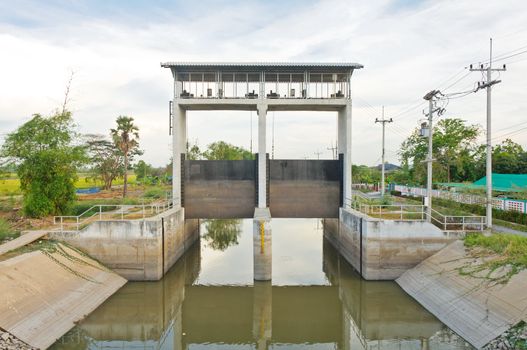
(209, 300)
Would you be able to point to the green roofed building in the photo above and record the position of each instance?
(500, 183)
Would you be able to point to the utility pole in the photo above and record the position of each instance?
(383, 121)
(431, 110)
(333, 150)
(488, 85)
(318, 153)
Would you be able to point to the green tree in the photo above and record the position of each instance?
(365, 174)
(221, 150)
(142, 170)
(509, 158)
(126, 139)
(107, 161)
(46, 157)
(193, 151)
(454, 149)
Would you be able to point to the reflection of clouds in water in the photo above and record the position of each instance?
(297, 252)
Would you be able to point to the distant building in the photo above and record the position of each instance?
(388, 167)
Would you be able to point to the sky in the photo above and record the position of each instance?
(407, 47)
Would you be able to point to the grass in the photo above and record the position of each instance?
(12, 185)
(511, 225)
(6, 232)
(502, 256)
(9, 186)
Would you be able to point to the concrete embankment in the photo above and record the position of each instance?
(476, 308)
(383, 249)
(46, 291)
(138, 250)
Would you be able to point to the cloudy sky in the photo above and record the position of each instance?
(408, 47)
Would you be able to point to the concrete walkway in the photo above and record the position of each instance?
(21, 241)
(503, 229)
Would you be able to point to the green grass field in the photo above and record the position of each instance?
(12, 185)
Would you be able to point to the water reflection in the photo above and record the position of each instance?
(340, 311)
(221, 234)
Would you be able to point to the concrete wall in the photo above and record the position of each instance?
(138, 250)
(389, 247)
(305, 188)
(219, 189)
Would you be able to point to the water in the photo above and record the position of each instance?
(209, 300)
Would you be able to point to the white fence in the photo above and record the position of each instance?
(498, 203)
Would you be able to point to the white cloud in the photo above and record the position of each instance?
(115, 52)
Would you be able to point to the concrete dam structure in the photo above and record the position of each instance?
(262, 188)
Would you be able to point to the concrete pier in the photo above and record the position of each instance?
(262, 247)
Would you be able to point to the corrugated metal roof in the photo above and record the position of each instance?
(346, 65)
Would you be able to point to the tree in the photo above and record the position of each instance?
(454, 149)
(107, 160)
(193, 151)
(126, 139)
(509, 158)
(365, 174)
(46, 158)
(221, 150)
(142, 170)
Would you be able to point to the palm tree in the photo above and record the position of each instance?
(126, 137)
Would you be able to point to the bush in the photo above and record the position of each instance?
(6, 231)
(155, 193)
(506, 215)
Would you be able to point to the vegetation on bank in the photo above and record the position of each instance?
(6, 231)
(11, 186)
(499, 256)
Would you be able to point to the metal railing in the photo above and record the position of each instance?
(109, 212)
(404, 212)
(458, 223)
(399, 212)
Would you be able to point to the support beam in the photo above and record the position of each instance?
(262, 247)
(262, 158)
(344, 147)
(179, 145)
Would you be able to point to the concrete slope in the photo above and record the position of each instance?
(44, 294)
(474, 308)
(21, 241)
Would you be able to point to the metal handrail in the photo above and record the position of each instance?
(76, 221)
(450, 223)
